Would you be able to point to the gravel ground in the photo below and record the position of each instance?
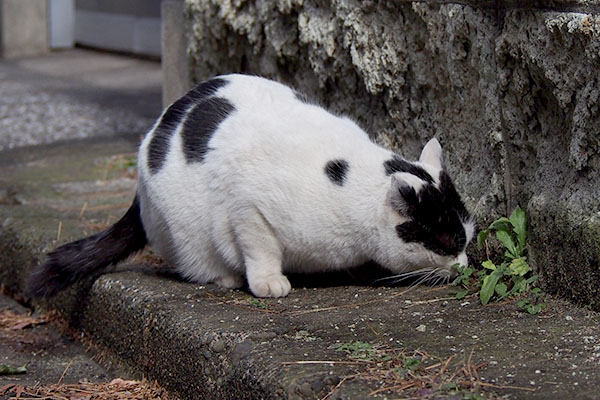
(76, 94)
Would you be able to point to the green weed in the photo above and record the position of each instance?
(10, 370)
(512, 276)
(532, 304)
(258, 304)
(357, 350)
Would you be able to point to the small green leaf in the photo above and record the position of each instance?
(519, 266)
(502, 269)
(501, 289)
(520, 285)
(501, 224)
(461, 295)
(532, 279)
(519, 223)
(458, 267)
(522, 303)
(488, 287)
(535, 309)
(488, 265)
(411, 364)
(481, 237)
(508, 242)
(10, 370)
(257, 303)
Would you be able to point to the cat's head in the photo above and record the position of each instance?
(429, 226)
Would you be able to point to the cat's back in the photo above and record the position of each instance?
(248, 122)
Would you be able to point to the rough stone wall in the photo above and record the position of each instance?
(510, 89)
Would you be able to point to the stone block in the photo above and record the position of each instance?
(175, 64)
(23, 28)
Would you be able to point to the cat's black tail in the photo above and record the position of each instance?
(73, 261)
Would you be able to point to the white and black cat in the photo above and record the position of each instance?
(242, 178)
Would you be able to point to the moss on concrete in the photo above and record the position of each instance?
(566, 249)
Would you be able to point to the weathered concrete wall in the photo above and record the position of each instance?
(511, 92)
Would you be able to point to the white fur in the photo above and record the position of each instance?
(260, 204)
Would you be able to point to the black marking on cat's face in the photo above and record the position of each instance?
(436, 217)
(159, 144)
(398, 164)
(201, 122)
(336, 171)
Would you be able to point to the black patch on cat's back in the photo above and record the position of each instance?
(398, 164)
(159, 144)
(336, 171)
(201, 122)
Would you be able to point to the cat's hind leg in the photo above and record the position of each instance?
(262, 256)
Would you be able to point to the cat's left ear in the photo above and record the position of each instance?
(432, 154)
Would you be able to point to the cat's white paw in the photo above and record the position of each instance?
(274, 285)
(230, 281)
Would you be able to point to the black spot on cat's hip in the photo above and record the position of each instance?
(336, 171)
(159, 144)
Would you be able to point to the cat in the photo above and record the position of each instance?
(243, 179)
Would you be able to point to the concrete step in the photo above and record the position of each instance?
(201, 341)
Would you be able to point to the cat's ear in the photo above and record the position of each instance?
(432, 154)
(404, 192)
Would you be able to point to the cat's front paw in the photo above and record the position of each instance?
(274, 285)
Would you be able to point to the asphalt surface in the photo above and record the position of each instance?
(76, 94)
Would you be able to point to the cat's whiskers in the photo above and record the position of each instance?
(427, 274)
(438, 279)
(400, 275)
(408, 275)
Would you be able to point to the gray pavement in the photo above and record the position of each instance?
(76, 94)
(49, 356)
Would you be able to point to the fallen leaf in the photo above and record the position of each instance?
(4, 389)
(10, 320)
(121, 382)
